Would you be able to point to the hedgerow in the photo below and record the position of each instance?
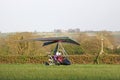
(75, 59)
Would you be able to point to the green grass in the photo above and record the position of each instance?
(72, 72)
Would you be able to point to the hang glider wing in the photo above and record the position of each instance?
(52, 40)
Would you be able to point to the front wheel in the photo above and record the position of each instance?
(66, 62)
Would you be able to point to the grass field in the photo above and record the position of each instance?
(72, 72)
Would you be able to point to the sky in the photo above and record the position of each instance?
(47, 15)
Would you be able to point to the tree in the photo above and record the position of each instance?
(89, 44)
(107, 41)
(4, 48)
(17, 47)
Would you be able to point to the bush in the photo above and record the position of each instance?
(22, 59)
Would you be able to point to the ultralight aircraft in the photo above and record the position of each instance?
(59, 56)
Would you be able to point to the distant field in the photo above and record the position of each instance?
(72, 72)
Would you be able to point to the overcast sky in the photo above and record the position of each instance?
(47, 15)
